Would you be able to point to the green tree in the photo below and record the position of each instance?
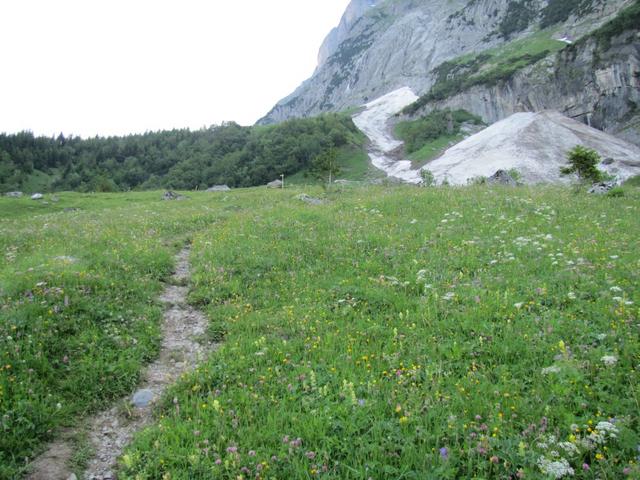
(325, 165)
(583, 162)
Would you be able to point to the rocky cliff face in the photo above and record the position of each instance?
(384, 45)
(598, 86)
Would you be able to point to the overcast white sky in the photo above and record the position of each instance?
(111, 67)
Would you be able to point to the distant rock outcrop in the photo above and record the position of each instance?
(13, 194)
(275, 184)
(219, 188)
(37, 196)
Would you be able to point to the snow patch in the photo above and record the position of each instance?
(535, 144)
(374, 123)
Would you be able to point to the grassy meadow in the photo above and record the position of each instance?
(390, 333)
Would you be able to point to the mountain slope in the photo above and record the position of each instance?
(382, 46)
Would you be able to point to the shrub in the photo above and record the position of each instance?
(515, 174)
(428, 180)
(583, 162)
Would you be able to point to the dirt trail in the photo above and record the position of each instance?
(183, 347)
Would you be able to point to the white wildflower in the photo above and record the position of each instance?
(569, 447)
(571, 295)
(555, 469)
(609, 360)
(608, 428)
(601, 336)
(518, 305)
(448, 296)
(615, 289)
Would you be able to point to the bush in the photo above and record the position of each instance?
(428, 180)
(515, 174)
(583, 162)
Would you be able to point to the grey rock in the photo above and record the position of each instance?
(13, 194)
(502, 177)
(303, 197)
(601, 97)
(169, 195)
(72, 477)
(66, 259)
(142, 398)
(275, 184)
(219, 188)
(381, 46)
(601, 188)
(37, 196)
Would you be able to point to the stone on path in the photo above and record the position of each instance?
(142, 398)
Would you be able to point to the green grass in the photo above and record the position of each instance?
(378, 341)
(434, 148)
(429, 136)
(79, 316)
(40, 181)
(390, 333)
(354, 164)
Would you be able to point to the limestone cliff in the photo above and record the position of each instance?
(381, 46)
(594, 83)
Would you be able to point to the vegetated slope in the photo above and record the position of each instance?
(595, 80)
(395, 44)
(411, 332)
(224, 154)
(427, 137)
(536, 145)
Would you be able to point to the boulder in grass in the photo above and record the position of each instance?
(219, 188)
(169, 195)
(602, 188)
(13, 194)
(37, 196)
(275, 184)
(502, 177)
(303, 197)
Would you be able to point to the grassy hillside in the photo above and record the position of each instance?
(389, 333)
(429, 136)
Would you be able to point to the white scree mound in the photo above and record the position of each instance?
(535, 144)
(374, 124)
